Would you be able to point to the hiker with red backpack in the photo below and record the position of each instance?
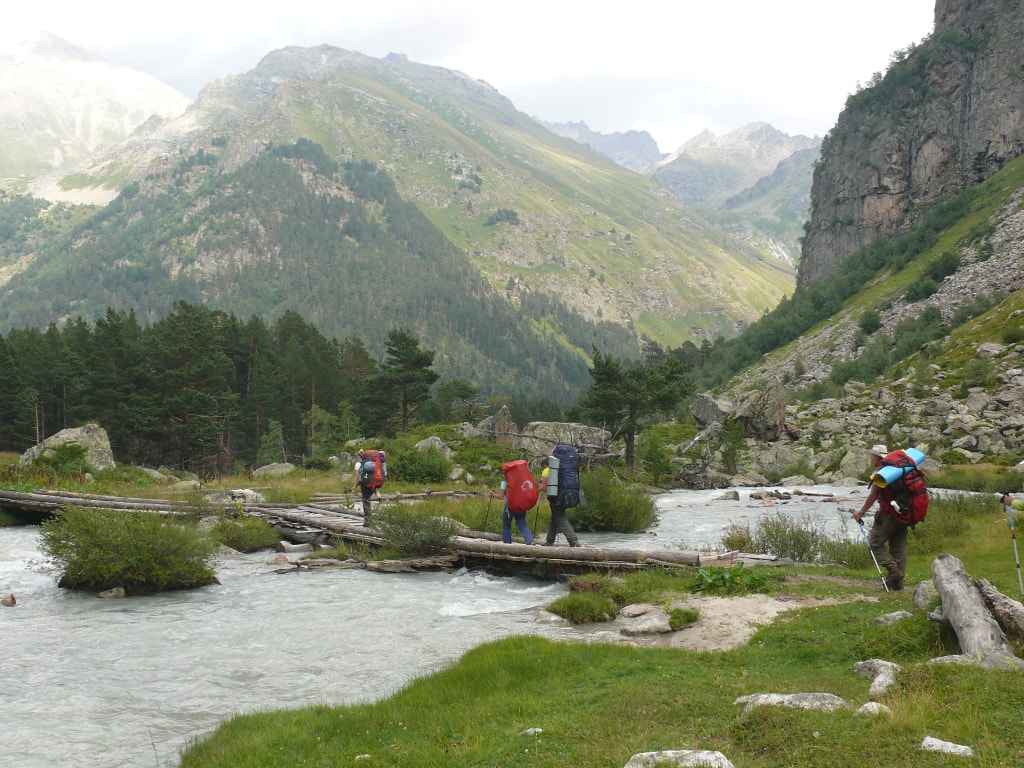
(520, 492)
(371, 471)
(899, 488)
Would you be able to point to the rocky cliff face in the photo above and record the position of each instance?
(60, 104)
(947, 115)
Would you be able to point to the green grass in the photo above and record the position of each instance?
(597, 704)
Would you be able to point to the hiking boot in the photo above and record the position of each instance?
(894, 581)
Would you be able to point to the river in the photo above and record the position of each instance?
(111, 683)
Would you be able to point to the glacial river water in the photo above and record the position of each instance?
(90, 683)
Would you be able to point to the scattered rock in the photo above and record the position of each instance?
(532, 732)
(873, 709)
(287, 546)
(824, 702)
(111, 594)
(240, 495)
(680, 757)
(883, 672)
(932, 744)
(893, 618)
(925, 595)
(8, 601)
(653, 622)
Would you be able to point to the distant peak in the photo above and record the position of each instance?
(45, 43)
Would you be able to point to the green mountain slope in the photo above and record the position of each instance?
(536, 214)
(290, 229)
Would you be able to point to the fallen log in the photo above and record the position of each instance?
(596, 555)
(981, 640)
(1008, 612)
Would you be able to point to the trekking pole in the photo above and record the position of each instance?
(1013, 535)
(490, 498)
(867, 541)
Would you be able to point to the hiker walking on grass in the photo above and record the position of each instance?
(887, 530)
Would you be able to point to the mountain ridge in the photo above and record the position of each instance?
(617, 247)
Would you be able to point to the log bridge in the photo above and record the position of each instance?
(331, 522)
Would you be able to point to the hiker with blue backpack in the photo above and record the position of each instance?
(561, 478)
(902, 503)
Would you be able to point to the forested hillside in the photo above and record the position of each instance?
(293, 230)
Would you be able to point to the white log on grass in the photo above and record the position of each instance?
(980, 637)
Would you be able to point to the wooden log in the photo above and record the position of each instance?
(578, 554)
(978, 633)
(412, 564)
(1008, 612)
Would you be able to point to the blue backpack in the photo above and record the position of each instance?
(568, 476)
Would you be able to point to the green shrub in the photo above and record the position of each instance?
(140, 552)
(584, 607)
(799, 539)
(1014, 334)
(409, 465)
(681, 618)
(64, 459)
(849, 553)
(318, 463)
(408, 530)
(246, 534)
(870, 321)
(611, 505)
(738, 537)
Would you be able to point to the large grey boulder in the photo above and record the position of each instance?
(707, 409)
(762, 413)
(92, 437)
(279, 469)
(538, 438)
(437, 444)
(499, 428)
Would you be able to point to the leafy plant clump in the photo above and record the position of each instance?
(733, 581)
(141, 553)
(407, 530)
(584, 607)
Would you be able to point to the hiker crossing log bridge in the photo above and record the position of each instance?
(328, 524)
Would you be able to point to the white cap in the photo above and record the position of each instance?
(879, 450)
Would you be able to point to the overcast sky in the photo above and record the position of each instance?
(670, 67)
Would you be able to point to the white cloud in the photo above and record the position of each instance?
(670, 68)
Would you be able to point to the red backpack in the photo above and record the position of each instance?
(520, 488)
(374, 468)
(910, 490)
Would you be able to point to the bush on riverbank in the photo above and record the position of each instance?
(142, 553)
(245, 534)
(612, 505)
(409, 530)
(584, 607)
